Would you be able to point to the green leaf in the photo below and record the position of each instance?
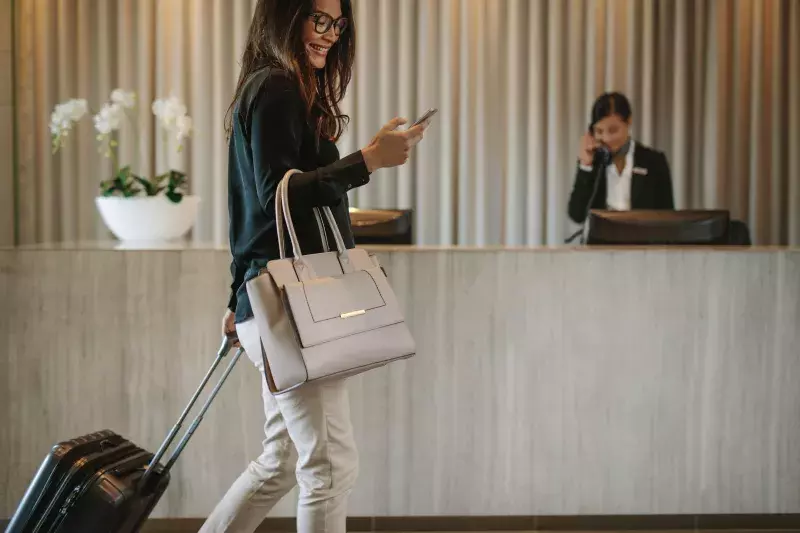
(107, 187)
(174, 196)
(151, 187)
(123, 183)
(131, 191)
(159, 180)
(176, 184)
(177, 178)
(148, 187)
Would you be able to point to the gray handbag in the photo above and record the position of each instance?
(324, 316)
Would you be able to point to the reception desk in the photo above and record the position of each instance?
(547, 382)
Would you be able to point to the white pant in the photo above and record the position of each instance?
(309, 441)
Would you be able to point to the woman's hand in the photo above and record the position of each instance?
(229, 327)
(586, 150)
(390, 148)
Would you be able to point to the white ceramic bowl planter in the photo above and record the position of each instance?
(148, 218)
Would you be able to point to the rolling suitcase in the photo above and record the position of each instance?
(104, 483)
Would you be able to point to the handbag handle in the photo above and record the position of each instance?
(283, 215)
(287, 216)
(323, 236)
(283, 200)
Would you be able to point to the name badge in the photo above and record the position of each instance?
(640, 171)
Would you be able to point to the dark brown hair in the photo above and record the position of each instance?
(609, 104)
(275, 40)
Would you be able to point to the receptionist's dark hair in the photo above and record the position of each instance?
(609, 104)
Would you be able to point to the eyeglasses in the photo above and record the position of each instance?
(323, 23)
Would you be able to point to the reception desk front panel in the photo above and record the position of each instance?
(607, 381)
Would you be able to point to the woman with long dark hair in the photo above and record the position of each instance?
(285, 115)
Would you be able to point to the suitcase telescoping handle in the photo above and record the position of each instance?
(223, 351)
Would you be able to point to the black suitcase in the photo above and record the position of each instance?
(103, 483)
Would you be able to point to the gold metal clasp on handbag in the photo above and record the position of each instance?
(351, 314)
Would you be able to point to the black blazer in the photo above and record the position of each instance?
(651, 191)
(271, 135)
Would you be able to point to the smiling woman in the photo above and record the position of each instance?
(285, 117)
(316, 33)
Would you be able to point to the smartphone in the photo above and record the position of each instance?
(428, 114)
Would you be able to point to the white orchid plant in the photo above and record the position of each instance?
(172, 117)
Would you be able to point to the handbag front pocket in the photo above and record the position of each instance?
(331, 308)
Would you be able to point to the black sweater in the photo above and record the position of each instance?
(271, 134)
